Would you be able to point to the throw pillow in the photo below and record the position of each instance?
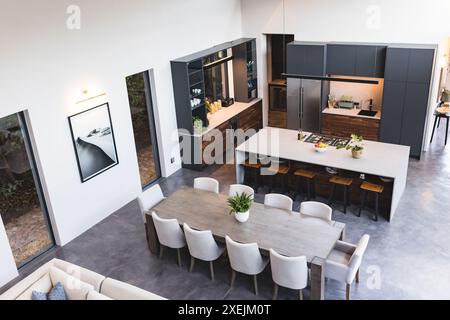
(57, 293)
(37, 295)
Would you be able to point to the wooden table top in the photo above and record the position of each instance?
(284, 231)
(443, 110)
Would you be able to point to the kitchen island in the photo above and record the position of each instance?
(379, 159)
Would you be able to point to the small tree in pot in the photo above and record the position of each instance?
(356, 145)
(240, 205)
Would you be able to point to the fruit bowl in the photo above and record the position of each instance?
(320, 147)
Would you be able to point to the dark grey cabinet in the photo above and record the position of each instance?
(356, 60)
(365, 61)
(392, 112)
(341, 59)
(397, 64)
(406, 92)
(306, 58)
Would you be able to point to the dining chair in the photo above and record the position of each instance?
(202, 246)
(288, 272)
(150, 198)
(241, 188)
(316, 209)
(206, 184)
(245, 258)
(344, 261)
(279, 201)
(169, 234)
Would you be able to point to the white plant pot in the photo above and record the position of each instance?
(242, 216)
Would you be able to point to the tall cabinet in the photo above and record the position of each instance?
(408, 73)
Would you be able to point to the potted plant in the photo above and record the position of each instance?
(198, 123)
(445, 96)
(356, 145)
(240, 205)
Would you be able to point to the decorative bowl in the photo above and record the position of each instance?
(320, 147)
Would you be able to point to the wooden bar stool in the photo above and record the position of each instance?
(310, 178)
(440, 113)
(341, 181)
(377, 190)
(254, 168)
(281, 171)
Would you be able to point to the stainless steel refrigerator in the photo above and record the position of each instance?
(304, 104)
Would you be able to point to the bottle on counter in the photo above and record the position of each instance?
(300, 135)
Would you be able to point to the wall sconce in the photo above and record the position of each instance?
(86, 96)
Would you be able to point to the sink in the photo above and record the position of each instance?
(367, 113)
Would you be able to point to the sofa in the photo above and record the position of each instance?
(79, 284)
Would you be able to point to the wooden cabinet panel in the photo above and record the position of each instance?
(344, 126)
(251, 118)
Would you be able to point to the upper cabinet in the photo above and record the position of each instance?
(356, 60)
(306, 58)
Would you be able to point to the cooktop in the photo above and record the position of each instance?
(329, 140)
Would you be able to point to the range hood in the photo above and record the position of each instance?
(328, 78)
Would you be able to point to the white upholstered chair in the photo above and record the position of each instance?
(202, 246)
(344, 261)
(206, 184)
(288, 272)
(150, 198)
(279, 201)
(245, 258)
(169, 234)
(241, 188)
(316, 209)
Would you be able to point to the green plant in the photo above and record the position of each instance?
(240, 202)
(355, 144)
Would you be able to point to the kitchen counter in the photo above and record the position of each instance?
(225, 114)
(349, 113)
(380, 159)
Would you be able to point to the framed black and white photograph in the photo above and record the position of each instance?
(93, 139)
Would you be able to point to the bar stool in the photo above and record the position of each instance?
(437, 120)
(310, 178)
(377, 190)
(253, 168)
(281, 171)
(341, 181)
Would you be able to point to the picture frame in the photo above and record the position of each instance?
(93, 141)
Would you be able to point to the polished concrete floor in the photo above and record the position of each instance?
(406, 259)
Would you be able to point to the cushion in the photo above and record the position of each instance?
(74, 288)
(57, 293)
(42, 285)
(80, 273)
(37, 295)
(339, 257)
(94, 295)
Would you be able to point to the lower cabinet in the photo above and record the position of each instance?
(344, 126)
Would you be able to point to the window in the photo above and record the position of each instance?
(141, 107)
(22, 205)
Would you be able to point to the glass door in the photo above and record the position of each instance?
(141, 107)
(22, 204)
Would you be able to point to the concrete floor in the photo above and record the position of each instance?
(406, 259)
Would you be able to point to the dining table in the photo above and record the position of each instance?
(287, 232)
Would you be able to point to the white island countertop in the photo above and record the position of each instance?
(350, 113)
(382, 159)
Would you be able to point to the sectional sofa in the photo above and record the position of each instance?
(79, 284)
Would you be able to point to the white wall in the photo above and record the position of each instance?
(399, 21)
(44, 67)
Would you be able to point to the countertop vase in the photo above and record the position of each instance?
(356, 154)
(242, 216)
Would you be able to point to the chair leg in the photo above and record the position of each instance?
(363, 200)
(330, 201)
(347, 292)
(300, 294)
(377, 199)
(434, 127)
(446, 131)
(256, 178)
(345, 198)
(233, 278)
(272, 182)
(357, 276)
(161, 251)
(439, 122)
(211, 269)
(275, 291)
(313, 183)
(299, 186)
(192, 264)
(179, 257)
(308, 184)
(255, 283)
